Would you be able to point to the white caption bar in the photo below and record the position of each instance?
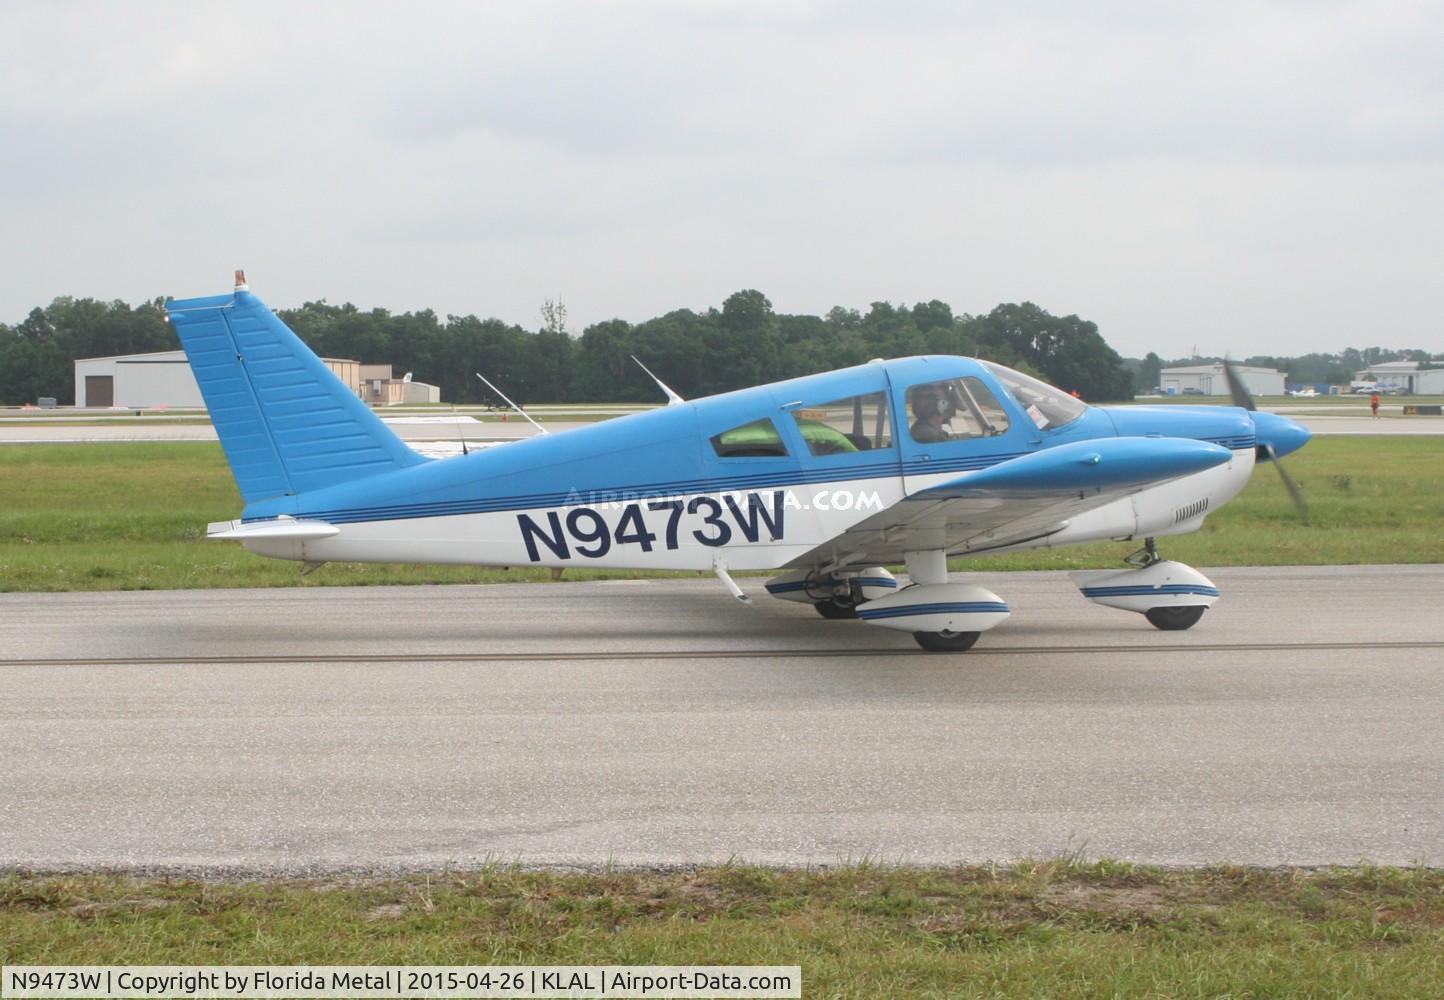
(524, 982)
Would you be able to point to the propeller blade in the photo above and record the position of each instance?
(1242, 398)
(1295, 494)
(1235, 386)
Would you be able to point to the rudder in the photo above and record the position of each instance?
(287, 423)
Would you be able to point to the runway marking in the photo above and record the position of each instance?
(702, 654)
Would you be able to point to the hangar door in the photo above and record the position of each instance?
(100, 390)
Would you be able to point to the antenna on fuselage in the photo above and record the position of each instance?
(673, 398)
(508, 402)
(460, 431)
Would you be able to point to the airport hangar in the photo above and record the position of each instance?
(164, 378)
(1407, 376)
(1210, 380)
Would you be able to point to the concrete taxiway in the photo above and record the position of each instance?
(660, 723)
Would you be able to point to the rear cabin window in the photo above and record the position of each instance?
(754, 440)
(857, 423)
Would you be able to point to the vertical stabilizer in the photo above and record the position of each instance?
(287, 423)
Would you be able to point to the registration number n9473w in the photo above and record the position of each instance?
(592, 532)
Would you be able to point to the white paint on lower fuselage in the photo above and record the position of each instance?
(571, 535)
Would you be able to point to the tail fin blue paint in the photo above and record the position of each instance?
(287, 423)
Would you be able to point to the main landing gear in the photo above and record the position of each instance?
(1169, 594)
(946, 642)
(942, 617)
(837, 595)
(836, 609)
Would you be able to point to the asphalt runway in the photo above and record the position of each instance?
(660, 723)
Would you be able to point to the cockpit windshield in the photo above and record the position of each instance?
(1046, 405)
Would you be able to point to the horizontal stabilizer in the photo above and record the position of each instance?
(1101, 464)
(282, 529)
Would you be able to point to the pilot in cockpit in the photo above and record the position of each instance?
(931, 412)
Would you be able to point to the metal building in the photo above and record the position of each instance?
(162, 379)
(380, 387)
(1209, 380)
(1406, 377)
(420, 392)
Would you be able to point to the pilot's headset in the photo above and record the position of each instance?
(927, 402)
(951, 402)
(943, 401)
(935, 401)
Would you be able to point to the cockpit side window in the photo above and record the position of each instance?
(857, 423)
(954, 409)
(752, 440)
(1047, 405)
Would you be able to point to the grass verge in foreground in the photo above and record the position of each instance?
(133, 517)
(1059, 929)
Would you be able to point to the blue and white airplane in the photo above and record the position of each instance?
(828, 478)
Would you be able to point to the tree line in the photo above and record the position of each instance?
(745, 342)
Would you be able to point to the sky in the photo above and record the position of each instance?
(1244, 178)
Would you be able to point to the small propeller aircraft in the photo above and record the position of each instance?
(829, 479)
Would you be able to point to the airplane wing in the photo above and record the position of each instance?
(1018, 500)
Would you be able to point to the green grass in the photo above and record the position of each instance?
(1054, 929)
(133, 516)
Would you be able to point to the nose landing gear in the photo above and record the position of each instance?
(1170, 595)
(1146, 556)
(1175, 619)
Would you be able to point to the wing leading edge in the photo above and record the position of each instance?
(1023, 498)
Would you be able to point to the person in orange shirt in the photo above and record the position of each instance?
(1374, 405)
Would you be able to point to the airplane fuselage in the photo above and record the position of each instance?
(656, 490)
(832, 478)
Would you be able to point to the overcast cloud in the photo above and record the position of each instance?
(1243, 177)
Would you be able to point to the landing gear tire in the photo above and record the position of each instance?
(946, 642)
(1175, 619)
(832, 610)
